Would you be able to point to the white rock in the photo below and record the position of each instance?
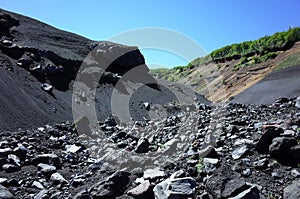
(37, 185)
(210, 161)
(153, 174)
(41, 129)
(58, 178)
(73, 148)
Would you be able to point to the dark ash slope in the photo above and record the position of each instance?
(282, 83)
(33, 53)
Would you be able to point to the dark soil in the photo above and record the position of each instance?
(282, 83)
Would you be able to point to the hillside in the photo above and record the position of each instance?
(82, 119)
(228, 71)
(34, 54)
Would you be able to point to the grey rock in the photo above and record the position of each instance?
(153, 174)
(213, 161)
(57, 178)
(42, 194)
(73, 148)
(142, 191)
(212, 152)
(289, 133)
(46, 168)
(175, 188)
(83, 195)
(295, 173)
(240, 152)
(5, 193)
(37, 184)
(225, 185)
(51, 159)
(292, 191)
(177, 174)
(261, 164)
(246, 173)
(47, 87)
(275, 175)
(297, 104)
(115, 185)
(210, 165)
(56, 195)
(232, 129)
(14, 159)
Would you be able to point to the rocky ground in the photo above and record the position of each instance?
(198, 151)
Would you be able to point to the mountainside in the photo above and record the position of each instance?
(33, 53)
(228, 71)
(85, 120)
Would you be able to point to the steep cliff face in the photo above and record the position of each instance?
(35, 45)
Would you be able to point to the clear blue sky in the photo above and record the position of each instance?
(211, 23)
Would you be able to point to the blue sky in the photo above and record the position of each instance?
(211, 23)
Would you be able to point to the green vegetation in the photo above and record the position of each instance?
(244, 61)
(248, 53)
(200, 165)
(159, 70)
(162, 73)
(172, 75)
(292, 60)
(161, 146)
(262, 46)
(200, 61)
(261, 49)
(273, 196)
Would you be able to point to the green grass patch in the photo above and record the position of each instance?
(159, 70)
(200, 165)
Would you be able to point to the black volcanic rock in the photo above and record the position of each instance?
(266, 139)
(91, 167)
(225, 185)
(280, 146)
